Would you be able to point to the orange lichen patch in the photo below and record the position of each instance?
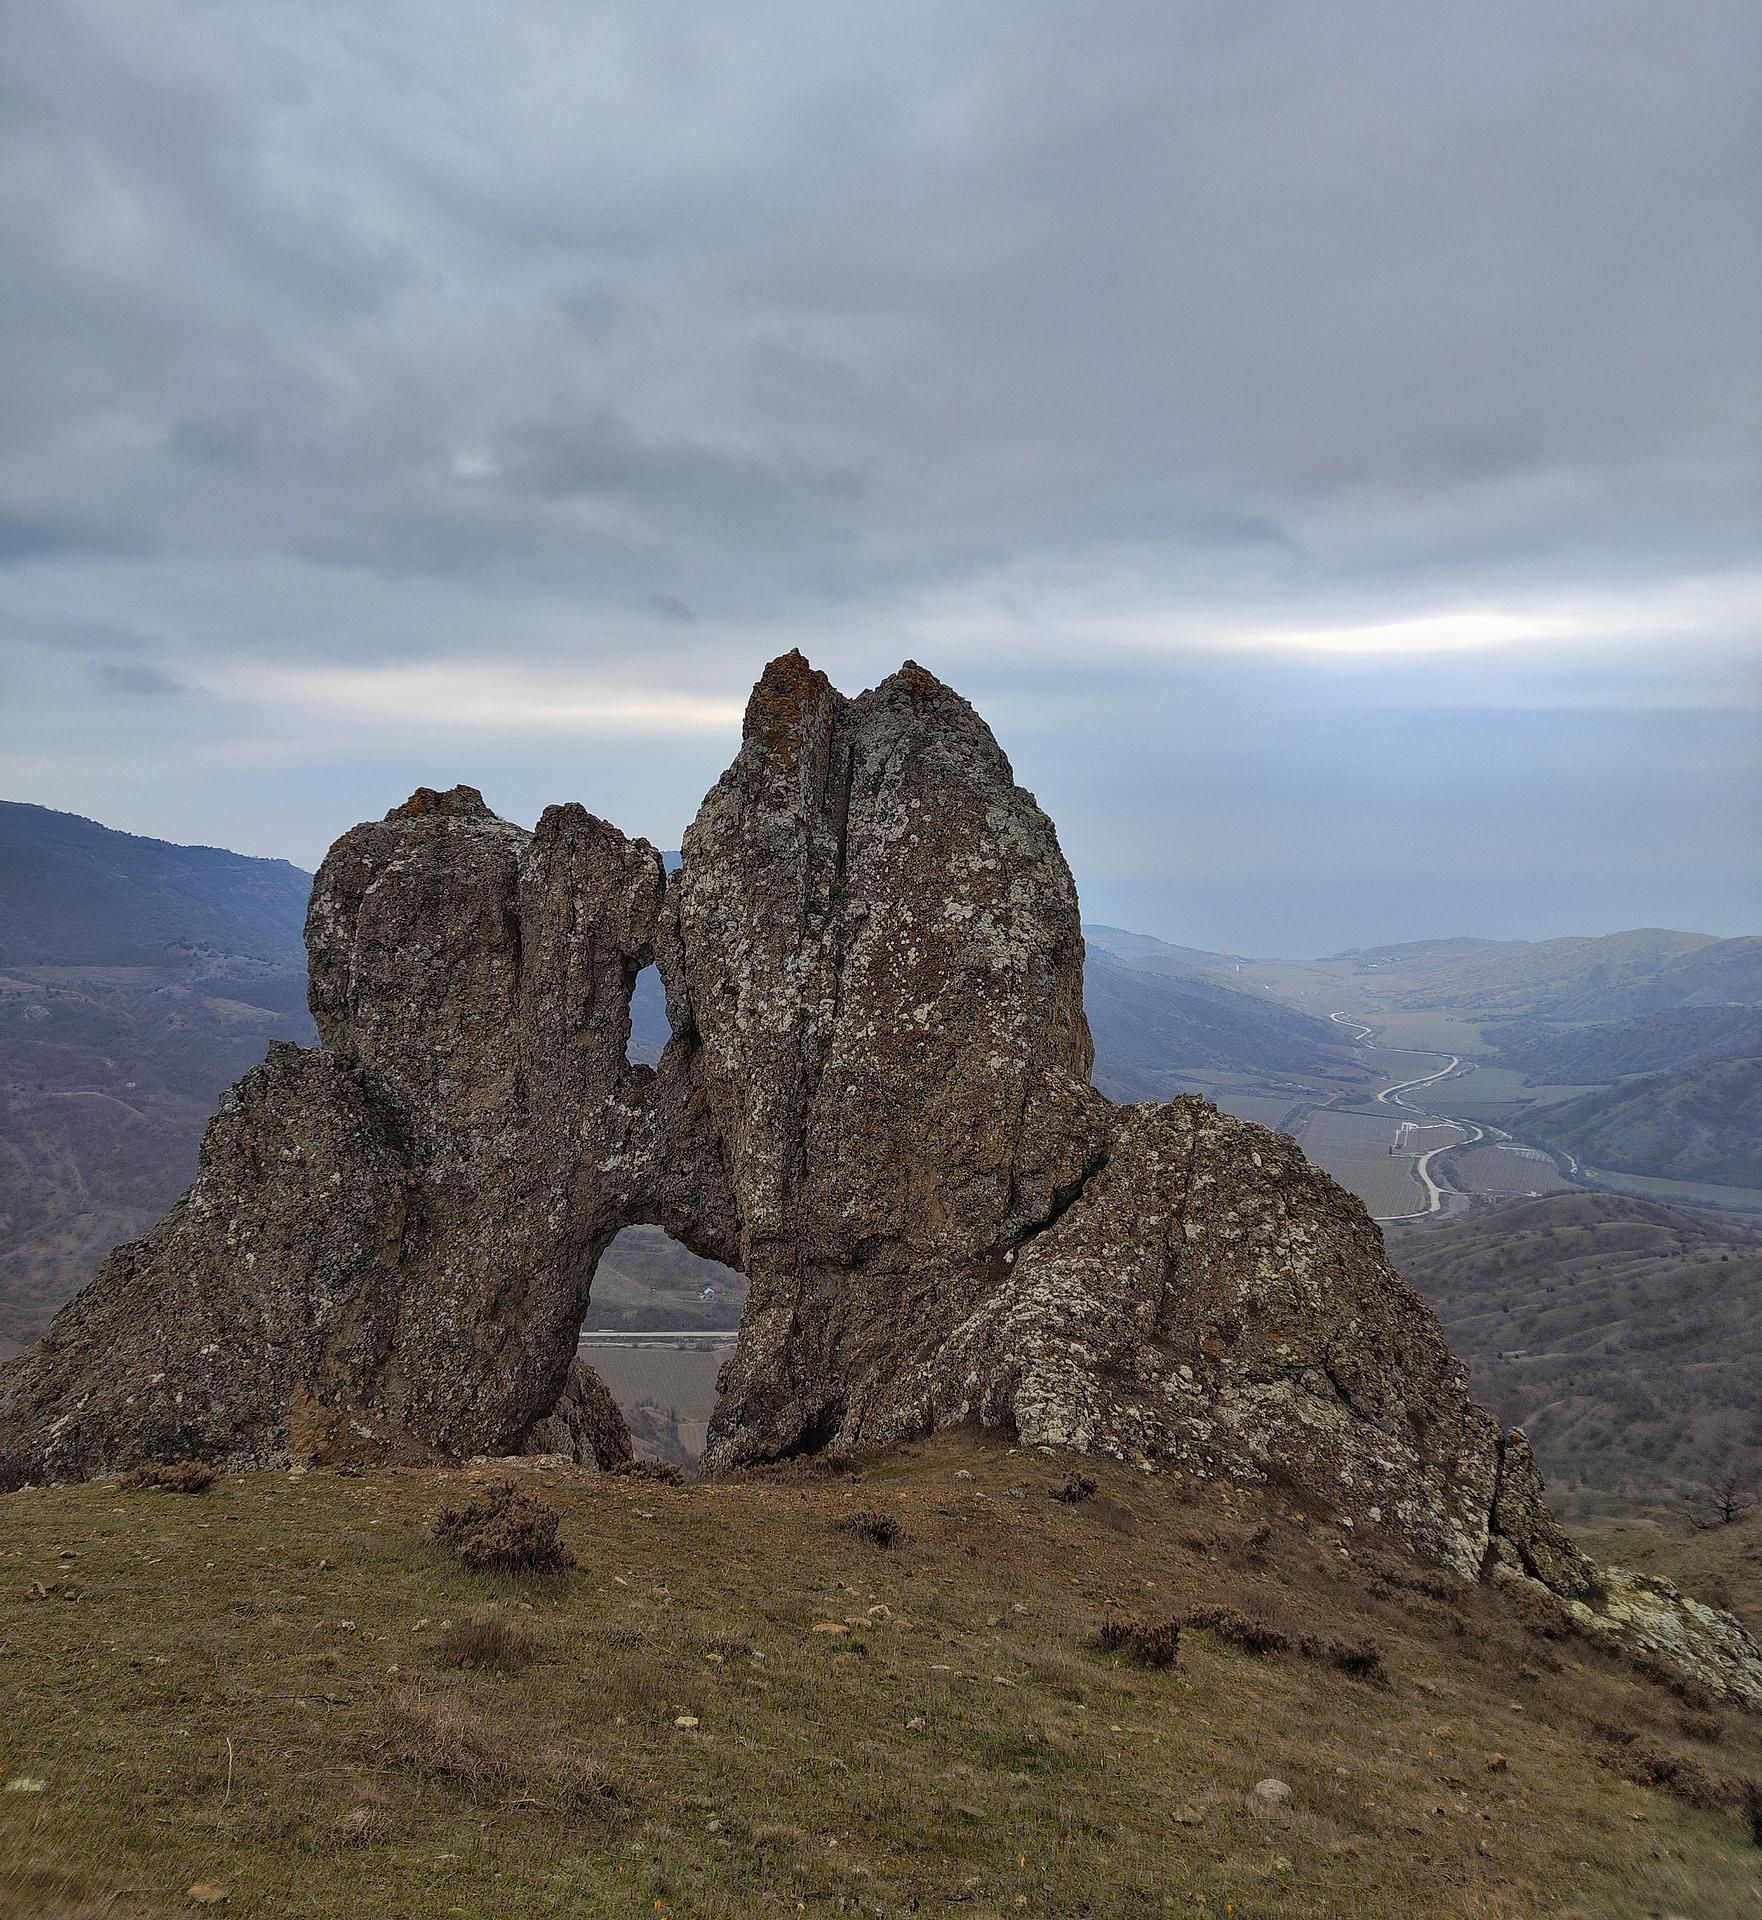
(783, 704)
(456, 801)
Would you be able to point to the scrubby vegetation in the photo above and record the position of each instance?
(182, 1476)
(879, 1529)
(1624, 1337)
(504, 1529)
(1152, 1643)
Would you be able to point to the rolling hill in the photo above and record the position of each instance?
(1651, 1043)
(1703, 1123)
(284, 1698)
(1611, 976)
(137, 980)
(1156, 1013)
(76, 894)
(1624, 1337)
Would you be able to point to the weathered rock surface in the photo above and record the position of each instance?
(876, 1102)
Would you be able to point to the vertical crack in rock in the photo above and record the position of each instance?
(876, 1101)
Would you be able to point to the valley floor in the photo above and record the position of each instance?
(253, 1701)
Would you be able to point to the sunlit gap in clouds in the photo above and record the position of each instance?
(473, 696)
(1717, 615)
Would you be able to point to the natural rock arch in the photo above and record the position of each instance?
(875, 1102)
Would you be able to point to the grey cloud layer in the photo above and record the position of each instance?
(655, 336)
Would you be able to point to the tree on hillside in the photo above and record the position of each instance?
(1720, 1501)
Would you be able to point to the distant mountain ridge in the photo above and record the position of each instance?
(1659, 1042)
(74, 893)
(1612, 976)
(1156, 1010)
(137, 980)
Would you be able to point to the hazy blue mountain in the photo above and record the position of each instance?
(73, 893)
(137, 980)
(1151, 1022)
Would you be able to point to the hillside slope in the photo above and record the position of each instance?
(1612, 976)
(1703, 1123)
(1151, 1021)
(1624, 1337)
(1650, 1043)
(74, 893)
(285, 1695)
(137, 980)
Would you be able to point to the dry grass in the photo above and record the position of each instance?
(488, 1640)
(1152, 1643)
(283, 1690)
(449, 1734)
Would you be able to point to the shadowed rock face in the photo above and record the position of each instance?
(876, 1103)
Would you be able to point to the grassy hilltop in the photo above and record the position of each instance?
(281, 1698)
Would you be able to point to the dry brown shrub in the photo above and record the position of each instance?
(1362, 1659)
(1536, 1610)
(1696, 1697)
(1240, 1630)
(504, 1530)
(1673, 1773)
(489, 1641)
(879, 1529)
(667, 1473)
(448, 1735)
(182, 1476)
(1152, 1643)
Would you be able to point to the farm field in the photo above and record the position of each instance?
(1331, 1130)
(1264, 1109)
(1431, 1030)
(679, 1380)
(1505, 1170)
(1385, 1183)
(1679, 1193)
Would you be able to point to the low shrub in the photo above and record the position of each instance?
(879, 1529)
(1152, 1643)
(667, 1472)
(1362, 1659)
(182, 1476)
(1240, 1630)
(504, 1530)
(1673, 1773)
(1077, 1488)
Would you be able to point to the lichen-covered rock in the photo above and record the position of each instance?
(876, 1102)
(879, 940)
(388, 1247)
(585, 1425)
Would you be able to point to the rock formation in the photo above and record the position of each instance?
(875, 1102)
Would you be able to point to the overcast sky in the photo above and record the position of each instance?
(1325, 440)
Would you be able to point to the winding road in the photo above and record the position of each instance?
(1391, 1096)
